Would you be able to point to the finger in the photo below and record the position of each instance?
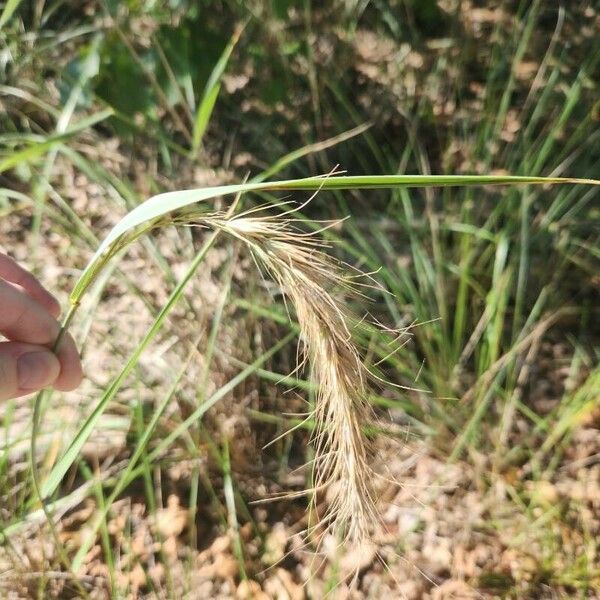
(25, 368)
(13, 272)
(23, 319)
(71, 372)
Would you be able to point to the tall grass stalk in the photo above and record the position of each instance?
(306, 276)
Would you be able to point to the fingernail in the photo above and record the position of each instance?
(36, 370)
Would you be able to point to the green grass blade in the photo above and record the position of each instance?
(294, 155)
(58, 472)
(220, 393)
(163, 204)
(211, 92)
(153, 456)
(8, 11)
(132, 463)
(40, 148)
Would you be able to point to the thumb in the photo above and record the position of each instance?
(25, 368)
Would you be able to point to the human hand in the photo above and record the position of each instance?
(28, 316)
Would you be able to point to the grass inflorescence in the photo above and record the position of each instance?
(305, 274)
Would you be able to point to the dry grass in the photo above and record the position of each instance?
(306, 276)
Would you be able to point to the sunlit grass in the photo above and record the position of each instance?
(483, 276)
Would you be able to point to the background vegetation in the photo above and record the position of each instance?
(489, 297)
